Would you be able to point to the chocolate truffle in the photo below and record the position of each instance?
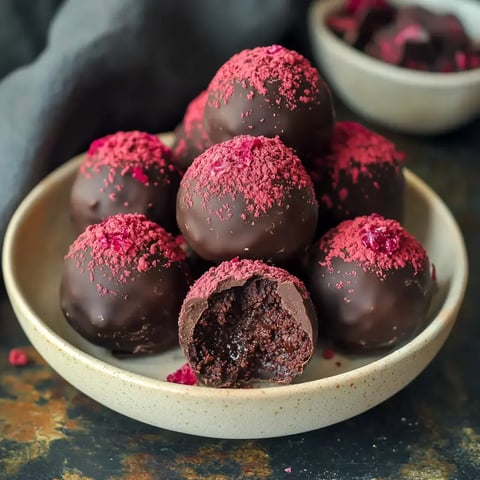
(372, 282)
(249, 197)
(362, 174)
(190, 137)
(246, 320)
(123, 284)
(126, 172)
(271, 91)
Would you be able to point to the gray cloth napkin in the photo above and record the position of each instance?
(118, 65)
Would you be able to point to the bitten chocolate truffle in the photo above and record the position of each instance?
(123, 284)
(249, 197)
(271, 91)
(126, 172)
(372, 281)
(362, 174)
(245, 320)
(191, 139)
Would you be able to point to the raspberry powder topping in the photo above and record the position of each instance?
(291, 73)
(355, 148)
(374, 243)
(123, 246)
(184, 376)
(131, 153)
(263, 170)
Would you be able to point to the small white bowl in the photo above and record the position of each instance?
(396, 97)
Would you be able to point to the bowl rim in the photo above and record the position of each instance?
(320, 9)
(446, 315)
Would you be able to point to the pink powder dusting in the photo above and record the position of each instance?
(390, 247)
(183, 375)
(193, 118)
(262, 66)
(262, 170)
(123, 245)
(131, 153)
(240, 270)
(355, 148)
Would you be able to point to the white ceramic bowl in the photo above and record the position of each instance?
(329, 391)
(395, 97)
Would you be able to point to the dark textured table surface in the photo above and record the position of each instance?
(428, 431)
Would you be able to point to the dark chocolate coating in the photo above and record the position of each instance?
(382, 191)
(279, 235)
(186, 148)
(91, 197)
(140, 318)
(363, 313)
(307, 129)
(255, 328)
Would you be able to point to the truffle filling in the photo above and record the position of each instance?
(246, 333)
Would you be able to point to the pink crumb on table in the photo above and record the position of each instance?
(17, 357)
(288, 470)
(183, 375)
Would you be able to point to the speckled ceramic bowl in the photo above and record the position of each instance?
(328, 392)
(398, 98)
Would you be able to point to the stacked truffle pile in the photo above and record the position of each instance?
(273, 190)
